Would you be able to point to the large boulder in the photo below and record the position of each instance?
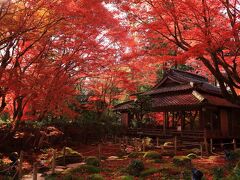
(71, 156)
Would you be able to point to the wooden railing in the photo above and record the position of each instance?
(168, 133)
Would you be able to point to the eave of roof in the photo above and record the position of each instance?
(180, 101)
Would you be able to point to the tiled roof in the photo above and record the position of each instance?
(209, 88)
(190, 90)
(182, 77)
(219, 101)
(186, 76)
(176, 100)
(182, 100)
(169, 89)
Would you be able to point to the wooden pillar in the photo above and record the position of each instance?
(182, 121)
(211, 145)
(234, 144)
(205, 140)
(202, 119)
(54, 162)
(64, 155)
(224, 122)
(167, 120)
(201, 149)
(35, 171)
(175, 145)
(173, 119)
(164, 124)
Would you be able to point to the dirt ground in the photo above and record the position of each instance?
(113, 167)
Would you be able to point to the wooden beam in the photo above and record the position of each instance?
(164, 124)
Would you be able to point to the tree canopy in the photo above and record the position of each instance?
(204, 32)
(51, 51)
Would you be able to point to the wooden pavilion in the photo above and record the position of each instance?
(191, 106)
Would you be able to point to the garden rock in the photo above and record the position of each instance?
(71, 156)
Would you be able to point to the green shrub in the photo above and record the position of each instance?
(234, 155)
(157, 161)
(136, 154)
(92, 160)
(70, 177)
(127, 178)
(135, 167)
(152, 155)
(217, 173)
(51, 177)
(149, 172)
(236, 170)
(192, 156)
(181, 161)
(187, 175)
(95, 177)
(83, 169)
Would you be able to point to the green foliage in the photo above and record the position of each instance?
(70, 152)
(184, 67)
(95, 177)
(192, 156)
(143, 88)
(187, 175)
(136, 154)
(51, 177)
(135, 167)
(5, 118)
(181, 161)
(218, 173)
(152, 155)
(141, 106)
(149, 172)
(71, 177)
(92, 160)
(99, 123)
(236, 154)
(157, 160)
(127, 178)
(236, 170)
(83, 169)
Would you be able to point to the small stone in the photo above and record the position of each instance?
(110, 158)
(74, 165)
